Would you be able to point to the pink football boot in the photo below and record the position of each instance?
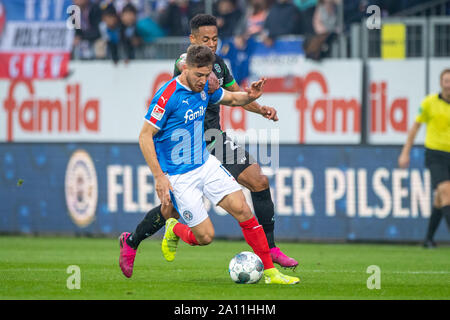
(283, 260)
(127, 255)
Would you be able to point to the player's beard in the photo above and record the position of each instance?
(193, 85)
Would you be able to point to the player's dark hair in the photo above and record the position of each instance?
(199, 56)
(201, 20)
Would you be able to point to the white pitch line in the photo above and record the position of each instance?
(298, 270)
(394, 272)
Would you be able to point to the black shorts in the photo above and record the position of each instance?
(438, 162)
(233, 157)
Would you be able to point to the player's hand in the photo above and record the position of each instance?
(181, 62)
(169, 212)
(256, 89)
(213, 83)
(163, 186)
(403, 161)
(269, 113)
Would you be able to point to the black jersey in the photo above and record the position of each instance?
(212, 116)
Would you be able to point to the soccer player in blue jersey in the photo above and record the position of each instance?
(172, 142)
(242, 166)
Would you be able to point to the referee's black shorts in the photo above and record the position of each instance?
(233, 157)
(438, 162)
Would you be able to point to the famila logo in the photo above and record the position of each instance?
(191, 115)
(35, 114)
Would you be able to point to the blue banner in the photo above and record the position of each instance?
(35, 11)
(240, 58)
(320, 192)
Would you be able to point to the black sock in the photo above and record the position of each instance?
(436, 215)
(152, 222)
(264, 211)
(446, 213)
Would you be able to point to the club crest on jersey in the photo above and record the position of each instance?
(187, 215)
(217, 67)
(158, 112)
(203, 95)
(191, 115)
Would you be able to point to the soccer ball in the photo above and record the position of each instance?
(246, 267)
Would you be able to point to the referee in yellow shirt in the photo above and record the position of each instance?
(435, 113)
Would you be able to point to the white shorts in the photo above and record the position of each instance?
(211, 179)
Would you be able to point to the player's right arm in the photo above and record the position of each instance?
(162, 184)
(403, 159)
(422, 117)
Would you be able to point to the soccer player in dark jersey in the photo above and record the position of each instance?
(244, 169)
(435, 113)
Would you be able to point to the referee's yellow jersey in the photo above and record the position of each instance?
(435, 113)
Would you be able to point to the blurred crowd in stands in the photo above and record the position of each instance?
(117, 28)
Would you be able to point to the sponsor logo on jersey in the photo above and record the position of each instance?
(81, 188)
(191, 115)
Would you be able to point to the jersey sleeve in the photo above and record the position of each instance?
(228, 79)
(424, 111)
(161, 106)
(157, 115)
(216, 96)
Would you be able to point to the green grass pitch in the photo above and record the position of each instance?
(36, 268)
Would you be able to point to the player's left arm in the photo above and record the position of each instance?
(266, 111)
(241, 98)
